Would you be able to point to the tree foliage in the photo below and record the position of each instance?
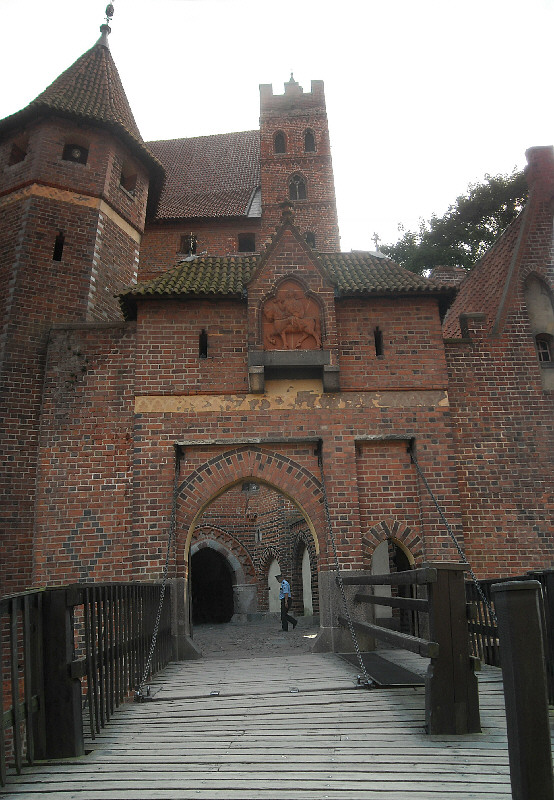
(468, 228)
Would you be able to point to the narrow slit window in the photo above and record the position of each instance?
(378, 339)
(58, 247)
(203, 344)
(310, 238)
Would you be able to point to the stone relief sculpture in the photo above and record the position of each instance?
(291, 320)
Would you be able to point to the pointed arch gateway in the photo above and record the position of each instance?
(225, 473)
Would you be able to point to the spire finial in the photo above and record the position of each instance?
(105, 29)
(292, 87)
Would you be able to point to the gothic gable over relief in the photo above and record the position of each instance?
(291, 320)
(291, 314)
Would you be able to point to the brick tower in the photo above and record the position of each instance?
(74, 182)
(295, 163)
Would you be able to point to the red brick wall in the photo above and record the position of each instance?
(99, 177)
(168, 347)
(160, 247)
(84, 522)
(413, 352)
(503, 415)
(390, 502)
(504, 424)
(40, 196)
(40, 290)
(370, 484)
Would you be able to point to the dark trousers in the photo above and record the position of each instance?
(285, 616)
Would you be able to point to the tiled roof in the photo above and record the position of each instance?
(228, 162)
(350, 273)
(366, 273)
(90, 90)
(482, 289)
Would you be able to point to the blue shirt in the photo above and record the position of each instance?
(284, 590)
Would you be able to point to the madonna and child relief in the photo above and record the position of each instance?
(291, 320)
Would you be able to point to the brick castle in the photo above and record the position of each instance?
(181, 334)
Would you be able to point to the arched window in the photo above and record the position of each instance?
(309, 141)
(279, 142)
(297, 188)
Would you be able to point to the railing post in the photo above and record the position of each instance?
(62, 692)
(182, 645)
(546, 579)
(519, 614)
(451, 691)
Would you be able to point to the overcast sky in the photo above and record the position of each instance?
(423, 97)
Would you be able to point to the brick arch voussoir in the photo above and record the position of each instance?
(251, 462)
(269, 554)
(210, 535)
(385, 530)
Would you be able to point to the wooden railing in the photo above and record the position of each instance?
(451, 695)
(483, 630)
(62, 649)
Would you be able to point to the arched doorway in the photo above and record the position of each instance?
(258, 532)
(253, 507)
(388, 557)
(273, 586)
(211, 587)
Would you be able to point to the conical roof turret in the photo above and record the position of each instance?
(90, 91)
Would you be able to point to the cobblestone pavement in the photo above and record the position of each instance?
(260, 638)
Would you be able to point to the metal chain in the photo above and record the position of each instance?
(453, 537)
(139, 695)
(368, 681)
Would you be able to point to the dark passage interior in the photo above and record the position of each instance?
(211, 587)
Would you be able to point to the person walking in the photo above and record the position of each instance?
(286, 602)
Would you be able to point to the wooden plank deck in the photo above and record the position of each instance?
(294, 727)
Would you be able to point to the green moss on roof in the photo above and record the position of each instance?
(212, 276)
(363, 273)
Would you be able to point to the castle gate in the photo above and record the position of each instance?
(244, 516)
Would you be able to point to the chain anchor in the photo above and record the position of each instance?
(142, 694)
